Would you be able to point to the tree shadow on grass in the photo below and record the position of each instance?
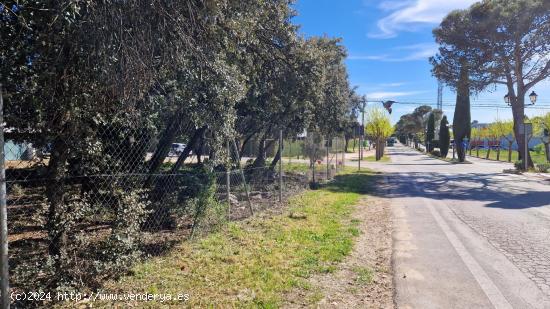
(361, 182)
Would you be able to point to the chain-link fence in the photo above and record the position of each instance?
(86, 200)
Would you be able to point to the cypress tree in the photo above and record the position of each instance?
(430, 134)
(462, 118)
(444, 137)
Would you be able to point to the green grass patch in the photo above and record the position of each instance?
(538, 158)
(253, 263)
(373, 159)
(364, 275)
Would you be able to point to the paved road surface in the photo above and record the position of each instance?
(467, 235)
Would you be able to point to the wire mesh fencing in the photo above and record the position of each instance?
(84, 205)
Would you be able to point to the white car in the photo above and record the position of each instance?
(176, 149)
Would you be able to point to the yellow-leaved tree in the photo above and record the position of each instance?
(542, 128)
(506, 130)
(378, 127)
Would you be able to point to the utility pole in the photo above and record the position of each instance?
(4, 271)
(280, 165)
(440, 95)
(361, 138)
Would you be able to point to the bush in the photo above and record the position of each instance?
(436, 153)
(519, 165)
(539, 149)
(543, 168)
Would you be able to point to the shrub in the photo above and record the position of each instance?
(436, 153)
(543, 168)
(519, 165)
(539, 149)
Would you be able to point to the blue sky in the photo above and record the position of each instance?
(388, 45)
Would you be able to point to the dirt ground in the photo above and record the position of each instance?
(364, 279)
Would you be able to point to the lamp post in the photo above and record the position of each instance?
(533, 98)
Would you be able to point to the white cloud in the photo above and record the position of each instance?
(373, 57)
(409, 15)
(393, 84)
(415, 52)
(390, 94)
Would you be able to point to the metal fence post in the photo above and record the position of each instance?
(228, 178)
(360, 152)
(328, 155)
(238, 158)
(344, 155)
(4, 289)
(337, 151)
(280, 165)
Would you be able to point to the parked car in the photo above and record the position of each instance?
(176, 149)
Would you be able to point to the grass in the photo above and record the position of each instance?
(253, 263)
(373, 159)
(538, 158)
(364, 275)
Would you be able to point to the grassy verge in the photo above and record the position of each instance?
(254, 262)
(373, 159)
(538, 158)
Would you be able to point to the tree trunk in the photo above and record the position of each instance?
(160, 217)
(55, 192)
(261, 156)
(547, 150)
(169, 135)
(488, 152)
(518, 111)
(477, 151)
(275, 159)
(510, 143)
(498, 153)
(346, 144)
(245, 142)
(192, 144)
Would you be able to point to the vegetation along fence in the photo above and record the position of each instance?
(83, 210)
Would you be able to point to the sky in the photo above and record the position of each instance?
(389, 43)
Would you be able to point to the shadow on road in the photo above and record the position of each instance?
(497, 190)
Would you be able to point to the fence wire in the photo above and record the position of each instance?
(84, 206)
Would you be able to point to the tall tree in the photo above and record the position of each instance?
(462, 118)
(378, 127)
(430, 133)
(502, 42)
(444, 137)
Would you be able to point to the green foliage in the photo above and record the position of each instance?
(378, 124)
(462, 119)
(444, 137)
(430, 131)
(262, 259)
(516, 31)
(413, 124)
(103, 84)
(543, 168)
(539, 149)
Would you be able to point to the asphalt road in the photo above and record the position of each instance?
(467, 235)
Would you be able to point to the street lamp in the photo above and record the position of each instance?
(533, 97)
(507, 99)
